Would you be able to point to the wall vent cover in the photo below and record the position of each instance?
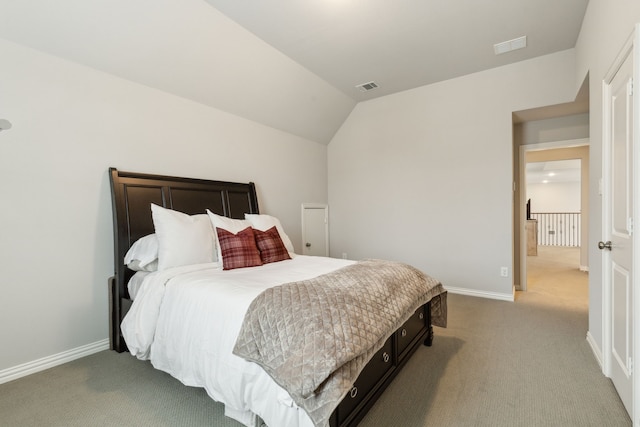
(365, 87)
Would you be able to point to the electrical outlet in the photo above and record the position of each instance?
(504, 271)
(344, 255)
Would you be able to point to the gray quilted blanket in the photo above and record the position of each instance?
(315, 336)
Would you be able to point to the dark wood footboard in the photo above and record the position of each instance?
(383, 368)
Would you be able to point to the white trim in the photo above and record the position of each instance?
(315, 206)
(567, 143)
(29, 368)
(635, 299)
(481, 294)
(595, 349)
(522, 221)
(606, 196)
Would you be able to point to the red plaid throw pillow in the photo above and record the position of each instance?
(238, 250)
(270, 245)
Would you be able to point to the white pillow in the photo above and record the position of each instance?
(229, 224)
(182, 239)
(143, 254)
(264, 222)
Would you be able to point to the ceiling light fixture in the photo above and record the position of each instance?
(509, 45)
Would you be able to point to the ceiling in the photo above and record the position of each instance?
(292, 65)
(555, 171)
(403, 44)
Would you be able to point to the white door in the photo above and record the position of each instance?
(618, 227)
(315, 229)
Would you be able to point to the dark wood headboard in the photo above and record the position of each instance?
(132, 195)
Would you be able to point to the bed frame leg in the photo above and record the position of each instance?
(429, 338)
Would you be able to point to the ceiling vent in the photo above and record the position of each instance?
(366, 87)
(509, 45)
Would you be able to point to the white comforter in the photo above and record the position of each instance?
(186, 320)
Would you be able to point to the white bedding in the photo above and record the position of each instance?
(185, 320)
(135, 282)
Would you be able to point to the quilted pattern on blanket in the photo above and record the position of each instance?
(315, 336)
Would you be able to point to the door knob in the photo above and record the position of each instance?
(604, 245)
(308, 245)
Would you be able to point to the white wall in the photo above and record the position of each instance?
(184, 47)
(605, 28)
(425, 176)
(70, 123)
(554, 129)
(554, 197)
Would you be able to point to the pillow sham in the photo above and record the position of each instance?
(238, 250)
(229, 224)
(143, 254)
(182, 239)
(270, 245)
(264, 222)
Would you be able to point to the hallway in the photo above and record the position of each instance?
(554, 275)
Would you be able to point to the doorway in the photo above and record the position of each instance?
(553, 230)
(576, 150)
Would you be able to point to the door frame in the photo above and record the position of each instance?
(522, 179)
(326, 223)
(631, 47)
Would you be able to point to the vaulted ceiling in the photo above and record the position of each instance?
(290, 64)
(404, 44)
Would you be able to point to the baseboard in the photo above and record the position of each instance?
(29, 368)
(481, 294)
(595, 349)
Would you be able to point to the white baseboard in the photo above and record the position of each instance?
(481, 294)
(29, 368)
(596, 350)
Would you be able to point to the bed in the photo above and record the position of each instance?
(231, 328)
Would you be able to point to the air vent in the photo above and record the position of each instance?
(365, 87)
(509, 45)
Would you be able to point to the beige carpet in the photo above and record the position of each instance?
(554, 277)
